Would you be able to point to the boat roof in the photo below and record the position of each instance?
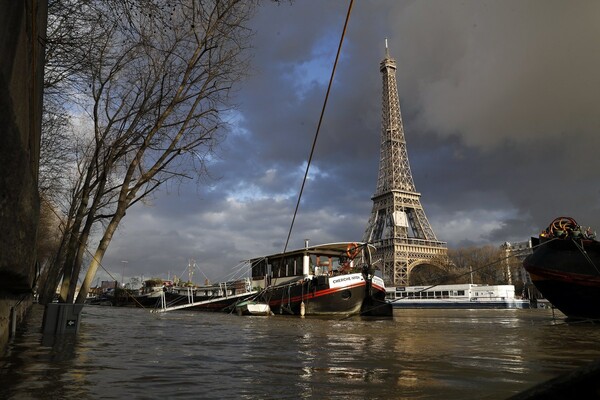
(328, 248)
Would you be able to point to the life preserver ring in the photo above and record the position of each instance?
(352, 250)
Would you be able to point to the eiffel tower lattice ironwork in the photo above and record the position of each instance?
(398, 226)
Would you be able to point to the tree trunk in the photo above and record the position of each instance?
(70, 295)
(83, 239)
(51, 277)
(98, 255)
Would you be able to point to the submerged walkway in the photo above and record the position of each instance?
(164, 308)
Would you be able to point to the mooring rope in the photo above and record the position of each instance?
(586, 255)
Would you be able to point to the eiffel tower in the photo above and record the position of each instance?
(398, 226)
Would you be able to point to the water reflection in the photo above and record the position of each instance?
(464, 354)
(41, 367)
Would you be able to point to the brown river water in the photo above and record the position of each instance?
(124, 353)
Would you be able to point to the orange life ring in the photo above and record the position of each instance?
(352, 250)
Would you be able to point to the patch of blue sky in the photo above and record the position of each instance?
(314, 172)
(206, 157)
(268, 186)
(246, 193)
(316, 70)
(235, 121)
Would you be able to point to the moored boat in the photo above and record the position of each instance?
(150, 293)
(222, 296)
(565, 268)
(250, 307)
(328, 279)
(466, 295)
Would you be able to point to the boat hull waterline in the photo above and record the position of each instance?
(342, 295)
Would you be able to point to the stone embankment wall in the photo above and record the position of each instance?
(22, 35)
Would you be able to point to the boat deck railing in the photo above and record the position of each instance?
(164, 307)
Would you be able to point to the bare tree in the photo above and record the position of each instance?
(67, 52)
(157, 80)
(485, 262)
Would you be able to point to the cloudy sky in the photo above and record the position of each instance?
(501, 108)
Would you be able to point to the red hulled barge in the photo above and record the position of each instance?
(328, 279)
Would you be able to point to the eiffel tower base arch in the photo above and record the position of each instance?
(397, 261)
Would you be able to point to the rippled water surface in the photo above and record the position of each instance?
(452, 354)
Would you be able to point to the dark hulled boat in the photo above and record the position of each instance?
(328, 279)
(565, 268)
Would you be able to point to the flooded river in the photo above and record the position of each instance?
(419, 354)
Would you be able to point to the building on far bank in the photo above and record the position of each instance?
(515, 253)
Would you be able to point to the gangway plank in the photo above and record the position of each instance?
(198, 303)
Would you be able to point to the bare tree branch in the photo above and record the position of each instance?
(149, 80)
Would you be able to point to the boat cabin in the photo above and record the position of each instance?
(323, 260)
(221, 289)
(469, 292)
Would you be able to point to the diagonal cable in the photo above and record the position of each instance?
(312, 150)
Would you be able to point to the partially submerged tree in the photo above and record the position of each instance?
(153, 85)
(57, 146)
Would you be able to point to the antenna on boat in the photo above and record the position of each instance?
(306, 243)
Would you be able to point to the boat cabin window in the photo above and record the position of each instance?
(277, 267)
(259, 268)
(327, 264)
(293, 265)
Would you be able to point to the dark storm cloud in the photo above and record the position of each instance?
(500, 102)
